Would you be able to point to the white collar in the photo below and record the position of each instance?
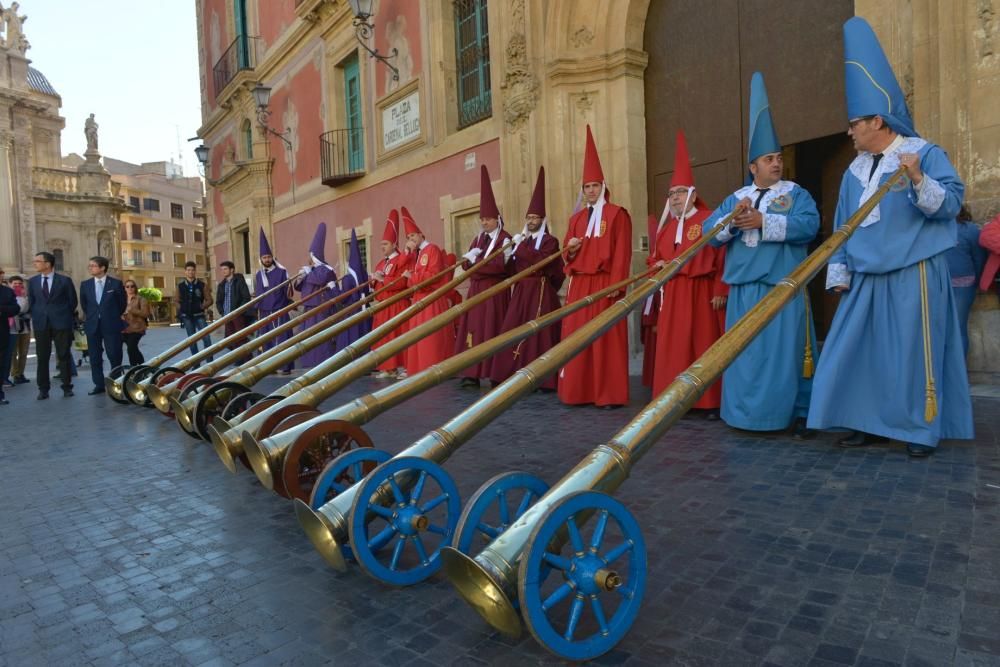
(423, 244)
(779, 188)
(861, 169)
(392, 255)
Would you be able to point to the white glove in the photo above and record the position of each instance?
(379, 276)
(508, 252)
(518, 238)
(305, 269)
(472, 254)
(332, 285)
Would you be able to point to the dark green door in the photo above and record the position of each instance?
(352, 101)
(242, 43)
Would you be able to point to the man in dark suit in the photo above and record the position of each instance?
(52, 304)
(8, 308)
(232, 293)
(103, 300)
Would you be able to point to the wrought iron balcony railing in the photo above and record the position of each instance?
(241, 55)
(342, 155)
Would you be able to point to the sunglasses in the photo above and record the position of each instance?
(129, 286)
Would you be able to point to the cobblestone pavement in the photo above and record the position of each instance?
(126, 542)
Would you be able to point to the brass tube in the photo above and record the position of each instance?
(327, 526)
(312, 392)
(488, 582)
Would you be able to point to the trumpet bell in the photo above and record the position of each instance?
(320, 533)
(258, 460)
(221, 446)
(478, 589)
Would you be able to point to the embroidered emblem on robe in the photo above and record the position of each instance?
(780, 204)
(694, 231)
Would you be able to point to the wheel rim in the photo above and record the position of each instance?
(498, 503)
(114, 385)
(240, 404)
(211, 403)
(312, 450)
(259, 406)
(417, 522)
(136, 374)
(597, 579)
(344, 472)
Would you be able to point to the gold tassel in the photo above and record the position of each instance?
(930, 392)
(807, 362)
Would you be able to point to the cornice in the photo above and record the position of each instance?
(603, 67)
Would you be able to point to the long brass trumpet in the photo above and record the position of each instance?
(186, 412)
(329, 527)
(314, 386)
(140, 390)
(311, 394)
(287, 446)
(114, 383)
(510, 567)
(160, 394)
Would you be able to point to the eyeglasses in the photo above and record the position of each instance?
(129, 286)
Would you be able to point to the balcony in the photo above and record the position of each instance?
(241, 55)
(342, 156)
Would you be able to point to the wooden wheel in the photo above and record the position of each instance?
(312, 450)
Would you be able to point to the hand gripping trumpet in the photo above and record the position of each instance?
(114, 383)
(388, 504)
(580, 601)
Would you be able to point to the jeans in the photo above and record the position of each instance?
(193, 324)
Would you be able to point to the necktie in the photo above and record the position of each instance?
(45, 287)
(99, 284)
(760, 195)
(590, 212)
(875, 160)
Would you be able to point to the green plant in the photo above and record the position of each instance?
(151, 294)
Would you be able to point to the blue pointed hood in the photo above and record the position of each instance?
(355, 264)
(871, 86)
(763, 137)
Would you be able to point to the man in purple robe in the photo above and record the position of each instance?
(484, 321)
(271, 273)
(318, 274)
(356, 275)
(534, 295)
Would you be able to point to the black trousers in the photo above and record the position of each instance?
(132, 345)
(44, 340)
(97, 343)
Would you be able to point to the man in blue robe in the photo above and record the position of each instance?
(893, 365)
(764, 389)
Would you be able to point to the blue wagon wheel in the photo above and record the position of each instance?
(592, 547)
(498, 503)
(344, 472)
(411, 505)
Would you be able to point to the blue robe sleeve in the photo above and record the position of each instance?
(837, 273)
(726, 235)
(799, 225)
(939, 195)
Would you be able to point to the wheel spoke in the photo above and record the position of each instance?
(356, 471)
(557, 596)
(381, 511)
(595, 604)
(433, 502)
(504, 511)
(574, 618)
(396, 553)
(337, 486)
(421, 551)
(418, 488)
(489, 531)
(574, 536)
(617, 552)
(602, 523)
(557, 561)
(525, 504)
(397, 492)
(382, 538)
(434, 528)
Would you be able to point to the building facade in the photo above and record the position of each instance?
(163, 228)
(45, 205)
(512, 85)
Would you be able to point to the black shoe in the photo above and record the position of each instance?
(610, 407)
(918, 451)
(469, 382)
(42, 395)
(801, 432)
(95, 391)
(4, 401)
(67, 393)
(712, 416)
(20, 379)
(861, 439)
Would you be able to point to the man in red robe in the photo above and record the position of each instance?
(534, 295)
(599, 246)
(387, 275)
(650, 312)
(693, 303)
(484, 321)
(425, 260)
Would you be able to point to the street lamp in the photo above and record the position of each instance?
(363, 31)
(201, 152)
(262, 97)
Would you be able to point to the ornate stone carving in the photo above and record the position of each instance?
(13, 27)
(581, 37)
(90, 131)
(520, 85)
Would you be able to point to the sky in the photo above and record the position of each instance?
(132, 63)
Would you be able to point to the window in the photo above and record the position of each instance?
(472, 55)
(155, 231)
(150, 204)
(177, 235)
(158, 282)
(198, 236)
(177, 211)
(122, 231)
(156, 257)
(133, 204)
(59, 258)
(179, 260)
(136, 231)
(136, 258)
(247, 140)
(199, 260)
